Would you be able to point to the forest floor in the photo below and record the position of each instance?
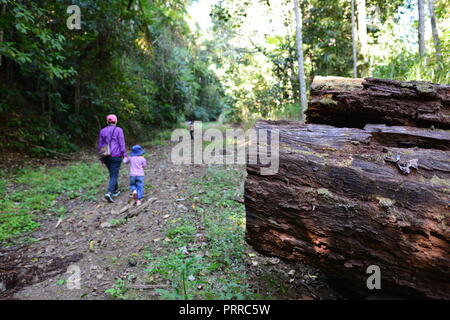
(185, 242)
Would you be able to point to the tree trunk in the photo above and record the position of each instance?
(434, 30)
(301, 69)
(422, 48)
(345, 102)
(49, 109)
(345, 199)
(3, 12)
(354, 40)
(362, 35)
(77, 95)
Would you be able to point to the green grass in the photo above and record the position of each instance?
(287, 112)
(207, 125)
(118, 290)
(409, 66)
(160, 138)
(214, 267)
(40, 190)
(182, 234)
(117, 222)
(163, 137)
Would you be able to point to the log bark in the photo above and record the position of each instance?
(347, 102)
(341, 202)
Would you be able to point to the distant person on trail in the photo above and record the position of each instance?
(137, 165)
(111, 149)
(191, 129)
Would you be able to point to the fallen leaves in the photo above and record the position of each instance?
(92, 245)
(105, 225)
(274, 261)
(58, 223)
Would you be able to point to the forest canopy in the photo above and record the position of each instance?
(143, 61)
(137, 59)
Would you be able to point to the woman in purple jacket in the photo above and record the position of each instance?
(113, 136)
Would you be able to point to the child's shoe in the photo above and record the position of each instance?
(134, 195)
(138, 202)
(109, 198)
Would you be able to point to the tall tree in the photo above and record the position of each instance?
(362, 34)
(355, 57)
(422, 49)
(301, 69)
(434, 30)
(2, 13)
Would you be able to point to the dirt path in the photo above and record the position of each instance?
(95, 237)
(107, 250)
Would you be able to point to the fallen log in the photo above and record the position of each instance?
(138, 209)
(344, 102)
(342, 201)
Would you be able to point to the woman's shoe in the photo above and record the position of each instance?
(109, 198)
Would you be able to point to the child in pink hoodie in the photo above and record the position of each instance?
(137, 165)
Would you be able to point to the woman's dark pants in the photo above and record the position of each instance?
(113, 165)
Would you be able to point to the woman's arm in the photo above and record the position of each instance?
(121, 139)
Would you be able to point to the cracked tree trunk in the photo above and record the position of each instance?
(341, 202)
(346, 102)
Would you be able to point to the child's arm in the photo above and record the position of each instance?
(144, 162)
(126, 159)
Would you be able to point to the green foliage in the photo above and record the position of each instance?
(118, 290)
(288, 112)
(117, 222)
(61, 282)
(257, 56)
(183, 271)
(140, 62)
(159, 138)
(262, 77)
(182, 234)
(214, 268)
(406, 65)
(40, 190)
(36, 47)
